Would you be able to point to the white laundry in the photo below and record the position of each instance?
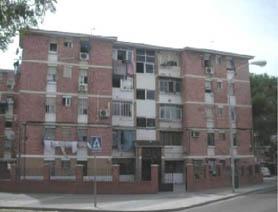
(73, 147)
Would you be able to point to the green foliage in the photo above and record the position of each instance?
(17, 15)
(264, 102)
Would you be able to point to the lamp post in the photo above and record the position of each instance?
(231, 129)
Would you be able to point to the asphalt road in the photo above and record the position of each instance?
(265, 201)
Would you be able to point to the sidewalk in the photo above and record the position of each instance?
(164, 201)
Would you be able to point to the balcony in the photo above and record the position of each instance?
(232, 100)
(209, 98)
(211, 151)
(51, 87)
(52, 57)
(82, 118)
(173, 151)
(50, 117)
(170, 71)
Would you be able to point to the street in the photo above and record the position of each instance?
(265, 201)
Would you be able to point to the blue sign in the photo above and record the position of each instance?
(94, 143)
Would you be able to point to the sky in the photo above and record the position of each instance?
(240, 26)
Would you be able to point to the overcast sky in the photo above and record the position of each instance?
(241, 26)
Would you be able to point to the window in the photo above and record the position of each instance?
(49, 133)
(83, 106)
(82, 134)
(127, 165)
(140, 94)
(83, 77)
(169, 63)
(230, 64)
(218, 59)
(171, 138)
(141, 122)
(220, 110)
(121, 55)
(53, 47)
(121, 108)
(219, 85)
(195, 134)
(222, 136)
(149, 68)
(212, 167)
(123, 140)
(170, 112)
(210, 139)
(116, 80)
(67, 71)
(145, 122)
(150, 122)
(50, 106)
(85, 46)
(150, 94)
(170, 86)
(140, 67)
(231, 89)
(8, 124)
(198, 169)
(51, 76)
(208, 87)
(68, 43)
(233, 113)
(235, 140)
(145, 61)
(67, 101)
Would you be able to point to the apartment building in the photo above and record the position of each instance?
(149, 104)
(7, 120)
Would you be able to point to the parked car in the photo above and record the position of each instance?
(265, 171)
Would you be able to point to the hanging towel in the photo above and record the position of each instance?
(74, 147)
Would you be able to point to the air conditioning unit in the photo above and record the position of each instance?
(104, 113)
(84, 56)
(208, 70)
(83, 88)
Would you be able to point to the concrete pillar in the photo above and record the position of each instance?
(189, 176)
(79, 173)
(162, 170)
(138, 171)
(116, 173)
(46, 172)
(154, 177)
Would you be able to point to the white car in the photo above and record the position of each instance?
(265, 171)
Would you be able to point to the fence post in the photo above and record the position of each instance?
(189, 176)
(115, 173)
(79, 173)
(46, 173)
(154, 177)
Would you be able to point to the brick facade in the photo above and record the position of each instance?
(52, 67)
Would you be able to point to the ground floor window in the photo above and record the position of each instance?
(212, 167)
(170, 138)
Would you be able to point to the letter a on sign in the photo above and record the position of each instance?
(95, 143)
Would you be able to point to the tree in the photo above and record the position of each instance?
(18, 15)
(264, 103)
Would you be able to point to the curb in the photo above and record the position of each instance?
(159, 210)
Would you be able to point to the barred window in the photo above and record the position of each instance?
(122, 108)
(49, 133)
